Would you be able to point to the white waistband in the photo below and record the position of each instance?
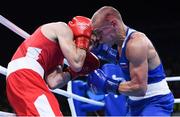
(159, 88)
(25, 63)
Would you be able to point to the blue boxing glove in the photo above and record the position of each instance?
(100, 83)
(113, 70)
(105, 52)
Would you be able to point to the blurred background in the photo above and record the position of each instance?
(159, 20)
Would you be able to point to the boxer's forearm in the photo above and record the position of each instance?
(132, 89)
(58, 80)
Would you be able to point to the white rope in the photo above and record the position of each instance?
(7, 114)
(13, 27)
(70, 100)
(3, 70)
(77, 97)
(177, 100)
(173, 78)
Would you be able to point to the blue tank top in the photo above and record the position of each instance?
(154, 75)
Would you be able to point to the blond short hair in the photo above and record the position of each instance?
(104, 12)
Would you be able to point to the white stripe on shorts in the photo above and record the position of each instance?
(43, 107)
(25, 63)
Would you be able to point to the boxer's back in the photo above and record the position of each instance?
(40, 48)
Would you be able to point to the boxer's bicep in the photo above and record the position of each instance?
(138, 65)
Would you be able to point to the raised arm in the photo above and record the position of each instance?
(74, 55)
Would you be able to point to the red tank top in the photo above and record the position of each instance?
(40, 48)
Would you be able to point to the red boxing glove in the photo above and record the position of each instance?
(91, 63)
(82, 29)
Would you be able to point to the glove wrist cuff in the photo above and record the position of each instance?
(112, 86)
(72, 73)
(82, 42)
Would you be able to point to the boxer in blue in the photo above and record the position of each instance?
(144, 77)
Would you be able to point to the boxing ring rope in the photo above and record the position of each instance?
(3, 70)
(68, 94)
(70, 100)
(13, 27)
(6, 114)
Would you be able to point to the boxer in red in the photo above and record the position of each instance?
(36, 64)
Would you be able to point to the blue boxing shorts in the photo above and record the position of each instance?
(161, 105)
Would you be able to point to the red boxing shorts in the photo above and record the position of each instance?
(27, 91)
